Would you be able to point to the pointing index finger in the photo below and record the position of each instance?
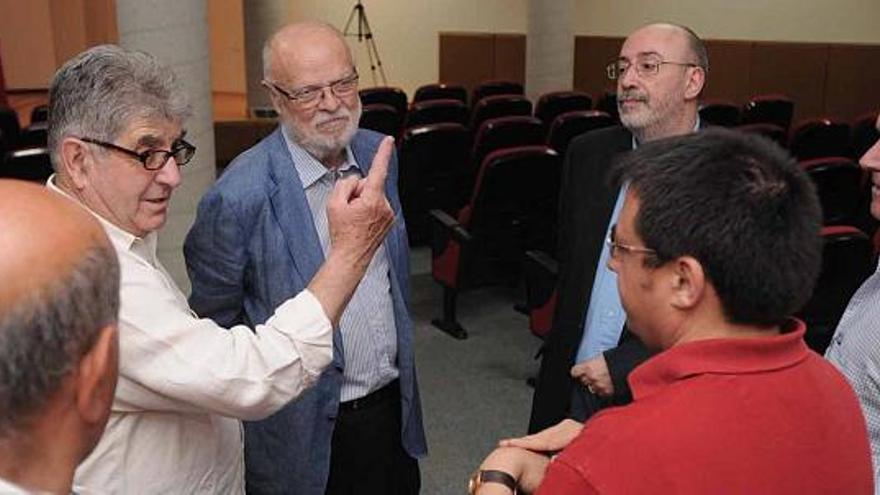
(379, 169)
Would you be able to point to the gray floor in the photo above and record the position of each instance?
(474, 390)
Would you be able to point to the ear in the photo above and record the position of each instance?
(688, 283)
(75, 160)
(277, 101)
(695, 82)
(96, 380)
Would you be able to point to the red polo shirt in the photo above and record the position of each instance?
(756, 415)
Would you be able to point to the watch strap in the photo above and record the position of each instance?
(496, 476)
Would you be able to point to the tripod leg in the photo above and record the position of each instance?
(372, 50)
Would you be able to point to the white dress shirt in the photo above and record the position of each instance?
(183, 381)
(9, 488)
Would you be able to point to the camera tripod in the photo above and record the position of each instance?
(362, 33)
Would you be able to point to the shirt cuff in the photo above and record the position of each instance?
(303, 319)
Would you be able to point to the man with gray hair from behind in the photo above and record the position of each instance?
(116, 134)
(58, 340)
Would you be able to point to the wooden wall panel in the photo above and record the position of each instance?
(591, 56)
(794, 69)
(466, 58)
(510, 58)
(729, 71)
(852, 81)
(470, 58)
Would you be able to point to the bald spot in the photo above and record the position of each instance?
(303, 48)
(673, 40)
(43, 235)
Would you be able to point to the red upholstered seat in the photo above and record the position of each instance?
(770, 109)
(495, 87)
(436, 112)
(386, 95)
(511, 210)
(819, 138)
(839, 184)
(720, 113)
(847, 260)
(440, 91)
(554, 104)
(572, 124)
(492, 107)
(382, 118)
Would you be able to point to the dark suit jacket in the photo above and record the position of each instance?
(587, 200)
(253, 246)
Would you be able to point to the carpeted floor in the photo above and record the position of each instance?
(473, 391)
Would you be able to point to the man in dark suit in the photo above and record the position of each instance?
(259, 237)
(660, 74)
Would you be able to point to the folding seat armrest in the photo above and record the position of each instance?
(450, 226)
(543, 260)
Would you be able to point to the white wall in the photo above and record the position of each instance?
(834, 21)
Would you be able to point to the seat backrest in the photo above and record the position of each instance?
(31, 164)
(514, 201)
(770, 131)
(720, 113)
(838, 182)
(505, 132)
(552, 105)
(436, 112)
(571, 124)
(492, 107)
(381, 118)
(847, 260)
(608, 104)
(495, 87)
(9, 125)
(35, 135)
(769, 109)
(387, 95)
(864, 134)
(441, 91)
(819, 138)
(40, 113)
(431, 158)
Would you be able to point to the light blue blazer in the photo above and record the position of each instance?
(253, 246)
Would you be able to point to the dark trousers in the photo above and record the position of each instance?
(366, 455)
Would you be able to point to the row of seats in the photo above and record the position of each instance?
(771, 116)
(23, 152)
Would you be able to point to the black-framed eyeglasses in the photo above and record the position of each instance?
(615, 248)
(182, 152)
(644, 66)
(309, 96)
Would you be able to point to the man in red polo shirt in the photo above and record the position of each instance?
(715, 246)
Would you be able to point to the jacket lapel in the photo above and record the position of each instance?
(292, 211)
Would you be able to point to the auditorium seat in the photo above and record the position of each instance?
(492, 107)
(495, 87)
(381, 118)
(839, 185)
(572, 124)
(436, 112)
(512, 210)
(40, 113)
(440, 91)
(819, 138)
(769, 109)
(770, 131)
(32, 164)
(608, 104)
(35, 135)
(864, 134)
(720, 113)
(556, 103)
(541, 273)
(386, 95)
(847, 260)
(431, 159)
(9, 125)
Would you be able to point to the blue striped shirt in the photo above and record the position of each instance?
(369, 335)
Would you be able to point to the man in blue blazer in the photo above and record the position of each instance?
(260, 235)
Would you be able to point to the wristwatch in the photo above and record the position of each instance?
(490, 476)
